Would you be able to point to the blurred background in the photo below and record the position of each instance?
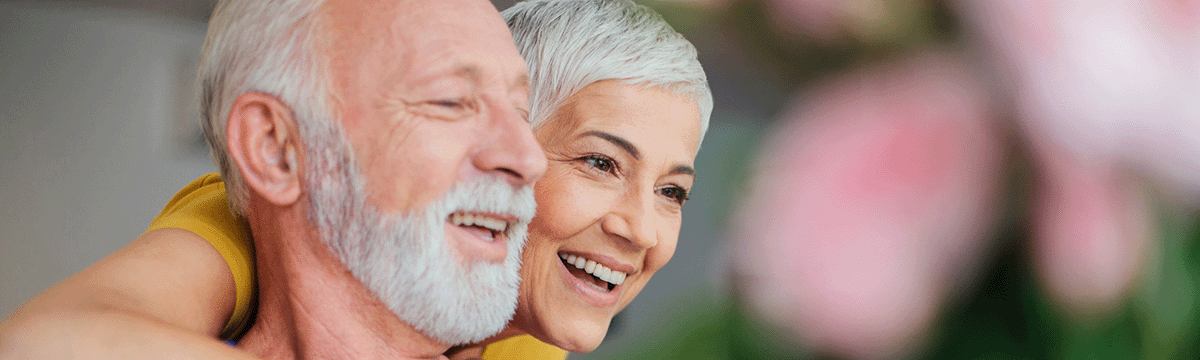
(882, 179)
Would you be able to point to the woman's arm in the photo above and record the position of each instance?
(165, 295)
(465, 352)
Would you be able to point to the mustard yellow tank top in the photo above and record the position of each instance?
(202, 208)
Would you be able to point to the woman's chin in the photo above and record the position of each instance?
(582, 346)
(581, 336)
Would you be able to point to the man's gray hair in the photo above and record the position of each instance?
(570, 44)
(263, 46)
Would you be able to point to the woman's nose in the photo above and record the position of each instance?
(633, 221)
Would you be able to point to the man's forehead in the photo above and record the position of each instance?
(414, 15)
(407, 44)
(472, 42)
(433, 24)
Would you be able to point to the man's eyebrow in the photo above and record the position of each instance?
(521, 81)
(473, 73)
(616, 140)
(470, 72)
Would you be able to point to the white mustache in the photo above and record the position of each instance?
(489, 194)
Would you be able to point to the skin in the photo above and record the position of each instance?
(624, 208)
(582, 209)
(599, 200)
(437, 98)
(443, 93)
(168, 293)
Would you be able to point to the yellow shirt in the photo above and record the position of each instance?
(522, 347)
(202, 208)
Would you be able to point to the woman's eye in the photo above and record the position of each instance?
(675, 193)
(601, 163)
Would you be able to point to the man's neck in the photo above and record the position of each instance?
(311, 307)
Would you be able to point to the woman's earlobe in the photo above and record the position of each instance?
(261, 143)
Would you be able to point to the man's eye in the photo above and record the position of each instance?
(601, 163)
(677, 194)
(450, 103)
(524, 114)
(448, 108)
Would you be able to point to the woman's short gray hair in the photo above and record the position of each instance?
(262, 46)
(570, 44)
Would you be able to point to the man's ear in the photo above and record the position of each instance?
(263, 141)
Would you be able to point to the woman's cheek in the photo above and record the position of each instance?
(566, 202)
(549, 193)
(668, 239)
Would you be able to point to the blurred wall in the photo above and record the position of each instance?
(97, 131)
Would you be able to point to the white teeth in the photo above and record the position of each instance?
(486, 222)
(596, 269)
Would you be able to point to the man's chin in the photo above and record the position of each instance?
(465, 309)
(410, 264)
(452, 302)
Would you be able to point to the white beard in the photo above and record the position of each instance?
(405, 259)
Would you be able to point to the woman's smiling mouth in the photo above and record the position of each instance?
(599, 276)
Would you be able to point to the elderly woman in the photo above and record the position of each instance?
(619, 104)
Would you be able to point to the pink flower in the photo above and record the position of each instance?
(1109, 80)
(830, 20)
(1091, 231)
(1105, 91)
(871, 204)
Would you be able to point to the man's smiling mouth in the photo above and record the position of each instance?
(483, 223)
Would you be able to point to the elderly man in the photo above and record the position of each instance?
(380, 155)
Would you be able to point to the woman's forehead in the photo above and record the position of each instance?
(653, 120)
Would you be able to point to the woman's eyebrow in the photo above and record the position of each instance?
(616, 140)
(683, 169)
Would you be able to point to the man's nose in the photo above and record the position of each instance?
(510, 148)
